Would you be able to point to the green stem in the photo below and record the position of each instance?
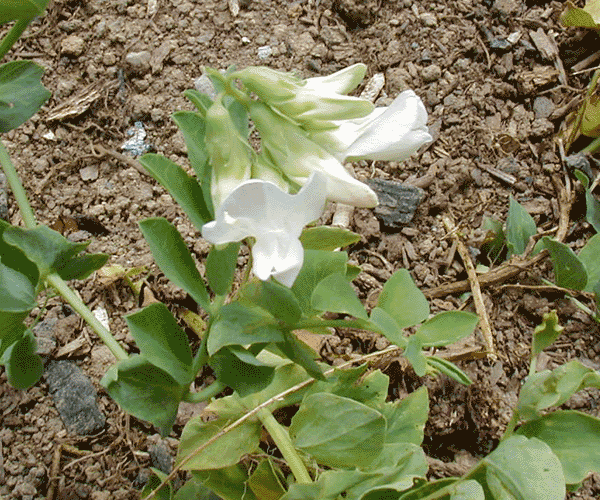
(13, 35)
(205, 394)
(510, 428)
(17, 188)
(360, 324)
(76, 303)
(283, 442)
(592, 146)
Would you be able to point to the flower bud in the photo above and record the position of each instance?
(229, 153)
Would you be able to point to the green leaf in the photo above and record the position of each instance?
(286, 376)
(162, 342)
(16, 259)
(406, 418)
(588, 17)
(592, 214)
(230, 483)
(338, 432)
(414, 354)
(495, 238)
(277, 299)
(184, 189)
(370, 390)
(156, 478)
(174, 259)
(569, 272)
(301, 354)
(193, 127)
(552, 388)
(23, 366)
(241, 325)
(589, 256)
(546, 333)
(194, 489)
(524, 469)
(335, 294)
(327, 238)
(265, 481)
(225, 451)
(201, 101)
(427, 489)
(318, 264)
(396, 470)
(403, 301)
(448, 368)
(447, 327)
(21, 92)
(240, 370)
(17, 293)
(574, 437)
(520, 226)
(220, 267)
(467, 490)
(145, 391)
(388, 326)
(53, 253)
(11, 10)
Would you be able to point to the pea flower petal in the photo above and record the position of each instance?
(261, 210)
(391, 133)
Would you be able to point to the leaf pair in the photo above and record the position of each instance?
(27, 257)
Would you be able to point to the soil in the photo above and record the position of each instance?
(496, 103)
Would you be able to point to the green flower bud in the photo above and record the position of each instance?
(229, 153)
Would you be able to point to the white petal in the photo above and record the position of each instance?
(396, 134)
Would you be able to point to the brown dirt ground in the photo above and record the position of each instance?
(481, 104)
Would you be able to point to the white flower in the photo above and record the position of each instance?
(311, 102)
(390, 133)
(289, 148)
(274, 218)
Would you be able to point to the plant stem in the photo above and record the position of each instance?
(205, 394)
(510, 428)
(17, 188)
(76, 303)
(283, 442)
(592, 146)
(13, 35)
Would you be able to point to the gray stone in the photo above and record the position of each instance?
(160, 457)
(541, 127)
(139, 62)
(74, 397)
(89, 173)
(44, 334)
(397, 202)
(543, 107)
(431, 73)
(204, 85)
(579, 162)
(72, 46)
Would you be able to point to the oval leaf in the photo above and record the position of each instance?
(520, 226)
(335, 294)
(337, 431)
(569, 272)
(403, 301)
(21, 93)
(446, 328)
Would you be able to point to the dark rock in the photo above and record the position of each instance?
(397, 202)
(74, 397)
(160, 457)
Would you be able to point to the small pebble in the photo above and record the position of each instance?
(431, 73)
(72, 46)
(429, 20)
(89, 173)
(264, 52)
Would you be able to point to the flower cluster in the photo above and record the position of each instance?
(307, 128)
